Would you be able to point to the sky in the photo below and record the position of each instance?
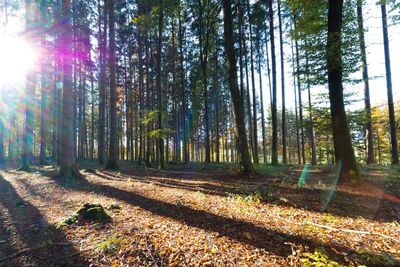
(375, 58)
(375, 61)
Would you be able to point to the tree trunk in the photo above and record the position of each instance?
(159, 89)
(284, 153)
(67, 157)
(274, 104)
(295, 106)
(392, 119)
(27, 145)
(264, 141)
(253, 85)
(112, 150)
(367, 102)
(344, 153)
(300, 102)
(234, 89)
(183, 98)
(312, 134)
(102, 84)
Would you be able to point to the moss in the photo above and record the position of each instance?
(93, 212)
(87, 213)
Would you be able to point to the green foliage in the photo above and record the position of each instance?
(161, 133)
(109, 245)
(250, 194)
(383, 259)
(318, 259)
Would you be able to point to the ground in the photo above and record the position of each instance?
(193, 215)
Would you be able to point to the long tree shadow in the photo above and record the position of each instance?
(40, 242)
(273, 241)
(312, 199)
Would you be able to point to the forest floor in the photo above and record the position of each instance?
(192, 215)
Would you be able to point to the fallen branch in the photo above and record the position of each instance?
(25, 250)
(353, 231)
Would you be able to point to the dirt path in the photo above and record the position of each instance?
(186, 218)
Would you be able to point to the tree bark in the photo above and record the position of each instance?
(27, 145)
(344, 153)
(367, 102)
(234, 89)
(284, 131)
(102, 84)
(274, 159)
(67, 157)
(159, 89)
(113, 139)
(392, 119)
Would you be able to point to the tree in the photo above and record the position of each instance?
(344, 152)
(392, 119)
(112, 149)
(27, 145)
(242, 145)
(159, 88)
(284, 154)
(102, 81)
(365, 76)
(67, 157)
(274, 104)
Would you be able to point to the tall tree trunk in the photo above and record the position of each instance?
(183, 98)
(27, 145)
(43, 99)
(300, 102)
(67, 157)
(159, 89)
(284, 131)
(102, 84)
(264, 141)
(310, 114)
(234, 89)
(295, 105)
(274, 104)
(392, 119)
(112, 150)
(92, 119)
(344, 153)
(367, 102)
(253, 85)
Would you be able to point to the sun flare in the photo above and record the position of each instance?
(17, 56)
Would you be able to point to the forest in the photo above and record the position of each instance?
(199, 133)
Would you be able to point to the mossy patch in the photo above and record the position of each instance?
(93, 213)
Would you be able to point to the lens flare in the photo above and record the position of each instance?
(17, 56)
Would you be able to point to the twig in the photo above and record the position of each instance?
(16, 254)
(354, 231)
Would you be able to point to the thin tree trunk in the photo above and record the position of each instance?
(102, 84)
(264, 142)
(295, 106)
(159, 89)
(113, 138)
(274, 104)
(303, 155)
(284, 131)
(367, 102)
(392, 119)
(312, 133)
(27, 146)
(253, 84)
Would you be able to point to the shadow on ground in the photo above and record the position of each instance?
(24, 229)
